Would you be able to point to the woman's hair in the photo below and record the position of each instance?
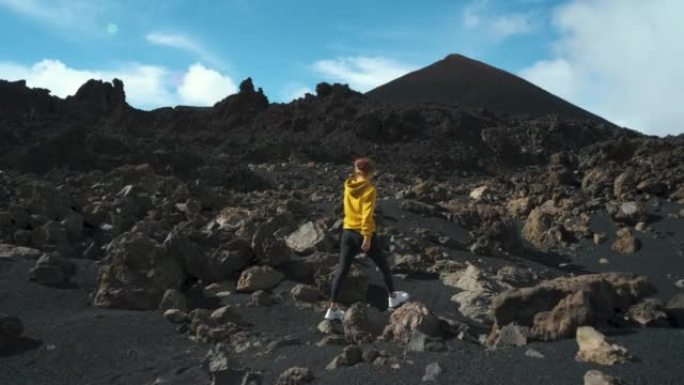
(365, 165)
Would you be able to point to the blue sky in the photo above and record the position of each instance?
(182, 52)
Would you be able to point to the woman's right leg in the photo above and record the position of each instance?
(349, 247)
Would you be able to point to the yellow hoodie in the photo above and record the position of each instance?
(359, 206)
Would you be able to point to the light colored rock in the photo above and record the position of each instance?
(232, 218)
(649, 312)
(596, 377)
(626, 242)
(599, 238)
(516, 276)
(226, 314)
(295, 376)
(218, 289)
(477, 193)
(474, 305)
(432, 372)
(541, 229)
(593, 347)
(519, 207)
(8, 251)
(478, 290)
(259, 278)
(411, 316)
(176, 316)
(306, 239)
(534, 353)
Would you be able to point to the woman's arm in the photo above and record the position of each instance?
(367, 212)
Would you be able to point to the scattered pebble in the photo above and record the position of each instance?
(604, 261)
(432, 371)
(680, 284)
(533, 353)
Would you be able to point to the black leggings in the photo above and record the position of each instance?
(349, 248)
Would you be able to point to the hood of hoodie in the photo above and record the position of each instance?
(356, 188)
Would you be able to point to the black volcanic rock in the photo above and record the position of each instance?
(239, 108)
(458, 80)
(99, 96)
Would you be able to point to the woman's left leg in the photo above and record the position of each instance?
(378, 256)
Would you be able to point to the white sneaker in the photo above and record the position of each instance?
(399, 298)
(334, 314)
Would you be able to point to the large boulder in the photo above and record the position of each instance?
(259, 278)
(409, 318)
(210, 264)
(554, 309)
(306, 239)
(362, 323)
(268, 244)
(541, 229)
(136, 273)
(52, 270)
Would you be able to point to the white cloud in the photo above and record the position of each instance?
(510, 25)
(146, 86)
(624, 61)
(471, 19)
(203, 86)
(557, 76)
(178, 41)
(361, 73)
(479, 15)
(185, 43)
(293, 91)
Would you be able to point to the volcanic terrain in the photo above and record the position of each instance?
(541, 244)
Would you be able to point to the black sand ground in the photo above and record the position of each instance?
(72, 344)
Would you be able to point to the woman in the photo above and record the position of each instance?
(358, 235)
